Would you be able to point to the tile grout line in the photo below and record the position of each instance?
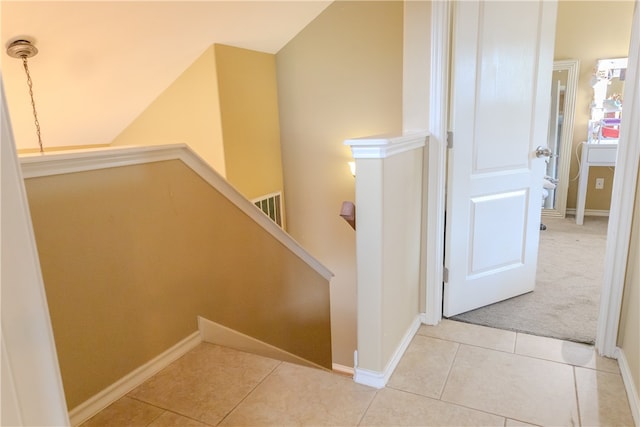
(455, 356)
(464, 343)
(160, 407)
(575, 388)
(141, 401)
(544, 359)
(250, 392)
(156, 418)
(514, 355)
(184, 416)
(446, 402)
(364, 413)
(159, 415)
(446, 381)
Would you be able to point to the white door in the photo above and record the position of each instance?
(501, 84)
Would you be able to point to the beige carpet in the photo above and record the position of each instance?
(565, 303)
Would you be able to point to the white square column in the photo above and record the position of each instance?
(388, 220)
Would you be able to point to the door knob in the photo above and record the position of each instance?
(543, 152)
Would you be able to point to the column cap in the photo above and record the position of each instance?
(382, 146)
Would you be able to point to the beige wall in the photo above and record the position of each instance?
(416, 65)
(225, 107)
(250, 128)
(628, 334)
(186, 112)
(131, 256)
(402, 190)
(588, 31)
(341, 77)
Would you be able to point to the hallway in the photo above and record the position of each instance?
(453, 374)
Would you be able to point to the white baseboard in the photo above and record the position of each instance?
(115, 391)
(589, 212)
(370, 378)
(380, 379)
(630, 387)
(425, 320)
(342, 369)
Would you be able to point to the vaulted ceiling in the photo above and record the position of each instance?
(100, 64)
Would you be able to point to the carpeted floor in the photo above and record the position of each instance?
(566, 301)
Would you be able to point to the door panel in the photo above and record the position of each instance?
(502, 66)
(496, 218)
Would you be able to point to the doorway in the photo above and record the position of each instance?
(565, 302)
(621, 210)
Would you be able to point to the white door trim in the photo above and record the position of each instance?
(32, 391)
(621, 213)
(621, 208)
(436, 169)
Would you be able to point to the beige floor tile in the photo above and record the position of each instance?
(424, 367)
(516, 423)
(124, 412)
(206, 383)
(602, 399)
(398, 408)
(467, 333)
(564, 352)
(514, 386)
(297, 395)
(169, 419)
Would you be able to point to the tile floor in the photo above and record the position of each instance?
(453, 374)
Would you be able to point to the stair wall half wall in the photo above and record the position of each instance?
(132, 255)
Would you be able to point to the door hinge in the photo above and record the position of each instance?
(450, 139)
(445, 275)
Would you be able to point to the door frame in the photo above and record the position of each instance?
(32, 389)
(621, 212)
(620, 216)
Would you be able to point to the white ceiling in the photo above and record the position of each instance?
(100, 64)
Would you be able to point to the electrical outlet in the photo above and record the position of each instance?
(599, 183)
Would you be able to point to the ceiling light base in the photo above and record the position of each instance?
(21, 49)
